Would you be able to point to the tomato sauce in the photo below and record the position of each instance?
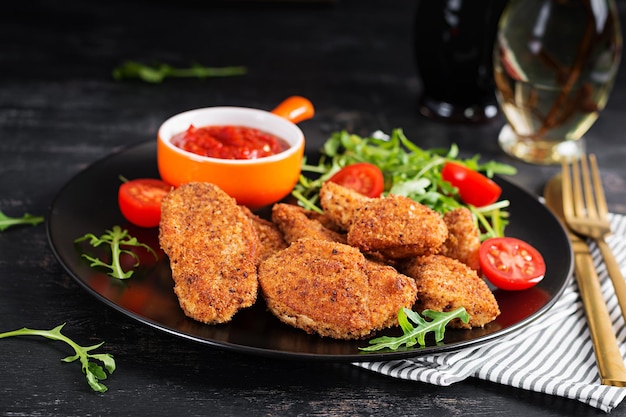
(229, 142)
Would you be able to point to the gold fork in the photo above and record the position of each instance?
(585, 211)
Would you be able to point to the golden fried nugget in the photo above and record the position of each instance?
(270, 237)
(329, 288)
(296, 223)
(213, 251)
(444, 284)
(389, 291)
(397, 227)
(463, 241)
(341, 204)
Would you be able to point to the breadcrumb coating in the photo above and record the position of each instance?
(444, 284)
(463, 241)
(270, 237)
(296, 223)
(341, 204)
(397, 227)
(213, 250)
(331, 289)
(328, 274)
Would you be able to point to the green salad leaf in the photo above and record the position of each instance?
(408, 170)
(89, 362)
(6, 221)
(117, 239)
(416, 334)
(158, 72)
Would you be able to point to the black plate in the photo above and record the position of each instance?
(88, 204)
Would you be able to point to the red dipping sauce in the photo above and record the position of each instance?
(229, 142)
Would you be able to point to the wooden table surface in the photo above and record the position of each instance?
(61, 110)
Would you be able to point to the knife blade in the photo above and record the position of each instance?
(608, 357)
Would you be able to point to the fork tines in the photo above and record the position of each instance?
(583, 188)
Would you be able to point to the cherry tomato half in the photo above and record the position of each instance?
(363, 177)
(140, 201)
(474, 187)
(510, 263)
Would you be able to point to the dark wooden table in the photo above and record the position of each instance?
(61, 110)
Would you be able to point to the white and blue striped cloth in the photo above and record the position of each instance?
(553, 354)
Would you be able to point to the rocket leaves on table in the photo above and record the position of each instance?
(408, 170)
(6, 221)
(89, 362)
(156, 73)
(117, 239)
(413, 335)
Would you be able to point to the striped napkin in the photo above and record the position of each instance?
(552, 355)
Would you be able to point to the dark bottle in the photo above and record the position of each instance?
(453, 50)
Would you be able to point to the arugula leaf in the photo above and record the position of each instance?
(413, 335)
(116, 239)
(92, 370)
(158, 72)
(408, 170)
(6, 221)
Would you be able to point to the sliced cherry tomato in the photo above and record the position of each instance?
(510, 263)
(363, 177)
(140, 201)
(474, 188)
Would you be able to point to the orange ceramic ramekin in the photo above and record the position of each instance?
(252, 182)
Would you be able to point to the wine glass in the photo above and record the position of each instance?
(555, 62)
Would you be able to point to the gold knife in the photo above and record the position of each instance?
(608, 357)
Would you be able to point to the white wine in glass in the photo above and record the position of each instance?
(555, 62)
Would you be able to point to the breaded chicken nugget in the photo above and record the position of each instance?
(270, 237)
(397, 227)
(463, 241)
(389, 291)
(213, 251)
(329, 288)
(341, 204)
(296, 223)
(444, 284)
